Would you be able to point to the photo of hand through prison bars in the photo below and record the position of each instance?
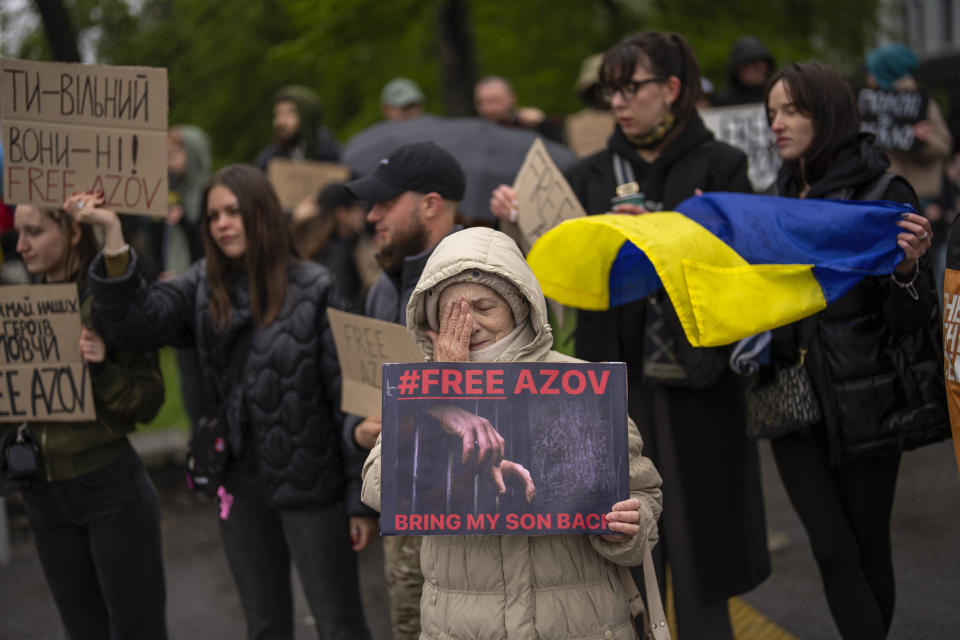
(516, 464)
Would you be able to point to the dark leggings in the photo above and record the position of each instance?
(98, 538)
(260, 541)
(846, 512)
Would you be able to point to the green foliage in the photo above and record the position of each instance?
(171, 414)
(226, 60)
(836, 33)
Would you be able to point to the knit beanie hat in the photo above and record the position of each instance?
(891, 62)
(501, 286)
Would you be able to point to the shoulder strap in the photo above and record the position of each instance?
(877, 189)
(653, 615)
(622, 171)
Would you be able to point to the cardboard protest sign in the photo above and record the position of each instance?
(746, 128)
(545, 197)
(365, 257)
(295, 180)
(890, 115)
(588, 130)
(42, 375)
(565, 457)
(76, 127)
(951, 349)
(363, 345)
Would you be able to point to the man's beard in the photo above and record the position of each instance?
(286, 142)
(410, 243)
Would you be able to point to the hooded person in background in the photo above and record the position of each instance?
(749, 67)
(890, 68)
(298, 133)
(188, 167)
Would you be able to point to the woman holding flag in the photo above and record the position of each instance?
(872, 356)
(713, 534)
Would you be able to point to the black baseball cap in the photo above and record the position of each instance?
(422, 167)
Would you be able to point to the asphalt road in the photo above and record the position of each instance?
(202, 602)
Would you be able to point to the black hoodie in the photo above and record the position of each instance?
(745, 50)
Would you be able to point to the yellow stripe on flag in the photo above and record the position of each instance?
(719, 297)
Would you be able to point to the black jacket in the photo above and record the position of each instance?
(286, 405)
(692, 160)
(875, 354)
(718, 464)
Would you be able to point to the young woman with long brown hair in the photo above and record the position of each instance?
(293, 488)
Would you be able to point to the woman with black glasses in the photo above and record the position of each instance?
(685, 400)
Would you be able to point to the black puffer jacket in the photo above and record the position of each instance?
(875, 355)
(290, 388)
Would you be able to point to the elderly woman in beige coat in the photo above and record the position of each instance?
(478, 300)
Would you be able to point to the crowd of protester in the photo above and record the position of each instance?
(241, 288)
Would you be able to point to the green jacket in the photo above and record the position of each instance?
(127, 388)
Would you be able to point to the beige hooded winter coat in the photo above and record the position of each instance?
(505, 587)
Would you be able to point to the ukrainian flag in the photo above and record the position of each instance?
(732, 264)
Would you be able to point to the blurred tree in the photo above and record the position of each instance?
(226, 60)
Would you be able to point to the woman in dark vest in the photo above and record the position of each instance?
(258, 319)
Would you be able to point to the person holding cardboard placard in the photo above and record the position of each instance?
(298, 133)
(290, 490)
(478, 301)
(91, 506)
(414, 193)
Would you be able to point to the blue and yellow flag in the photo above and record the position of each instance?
(733, 264)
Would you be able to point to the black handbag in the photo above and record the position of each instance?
(787, 403)
(208, 454)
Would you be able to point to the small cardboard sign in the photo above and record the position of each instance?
(363, 346)
(588, 131)
(890, 115)
(79, 127)
(951, 352)
(746, 128)
(545, 198)
(42, 375)
(562, 465)
(296, 180)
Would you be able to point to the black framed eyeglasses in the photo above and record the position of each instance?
(628, 89)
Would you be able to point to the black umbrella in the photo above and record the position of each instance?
(490, 154)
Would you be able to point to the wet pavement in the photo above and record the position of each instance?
(202, 602)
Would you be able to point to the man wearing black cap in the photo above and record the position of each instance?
(414, 192)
